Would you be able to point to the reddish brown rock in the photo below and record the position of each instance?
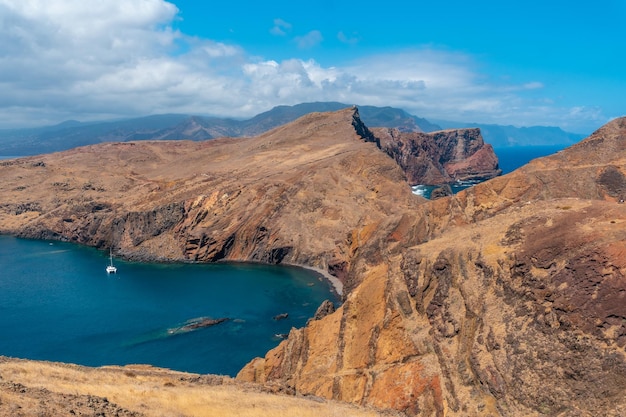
(441, 157)
(506, 299)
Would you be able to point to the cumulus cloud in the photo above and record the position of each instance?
(71, 59)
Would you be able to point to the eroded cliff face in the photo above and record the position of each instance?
(298, 194)
(506, 299)
(441, 157)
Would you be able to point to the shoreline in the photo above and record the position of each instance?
(335, 283)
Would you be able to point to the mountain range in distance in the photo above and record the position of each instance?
(71, 134)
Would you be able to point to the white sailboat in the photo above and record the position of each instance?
(110, 268)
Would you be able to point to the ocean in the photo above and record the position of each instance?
(509, 159)
(57, 303)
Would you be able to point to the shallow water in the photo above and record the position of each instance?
(58, 303)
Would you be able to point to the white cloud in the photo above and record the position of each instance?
(350, 40)
(280, 28)
(533, 85)
(71, 59)
(311, 39)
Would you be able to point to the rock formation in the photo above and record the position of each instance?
(441, 157)
(305, 193)
(508, 298)
(196, 324)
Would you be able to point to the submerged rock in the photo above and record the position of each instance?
(439, 192)
(195, 324)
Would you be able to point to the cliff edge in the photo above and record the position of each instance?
(441, 157)
(506, 299)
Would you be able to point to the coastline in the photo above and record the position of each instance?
(334, 281)
(336, 284)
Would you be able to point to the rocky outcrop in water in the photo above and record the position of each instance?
(441, 157)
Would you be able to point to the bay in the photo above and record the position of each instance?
(57, 303)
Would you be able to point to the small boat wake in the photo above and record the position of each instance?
(186, 327)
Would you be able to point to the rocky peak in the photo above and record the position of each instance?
(362, 130)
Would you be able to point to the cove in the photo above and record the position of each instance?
(57, 303)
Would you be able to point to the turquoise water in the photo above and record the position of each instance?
(58, 303)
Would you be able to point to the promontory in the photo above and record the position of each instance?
(506, 299)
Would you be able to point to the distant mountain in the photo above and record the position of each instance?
(372, 116)
(504, 136)
(395, 118)
(71, 134)
(281, 115)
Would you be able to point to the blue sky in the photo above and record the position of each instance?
(526, 63)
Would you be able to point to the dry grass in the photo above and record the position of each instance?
(56, 389)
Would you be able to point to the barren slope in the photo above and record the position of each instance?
(506, 299)
(297, 194)
(29, 388)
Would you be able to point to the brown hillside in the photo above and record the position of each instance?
(35, 389)
(301, 194)
(507, 299)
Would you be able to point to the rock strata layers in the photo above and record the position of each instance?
(506, 299)
(441, 157)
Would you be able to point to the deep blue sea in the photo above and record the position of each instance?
(512, 158)
(57, 303)
(509, 159)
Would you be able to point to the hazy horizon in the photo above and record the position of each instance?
(534, 64)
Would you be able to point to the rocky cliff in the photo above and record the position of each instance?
(441, 157)
(305, 193)
(506, 299)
